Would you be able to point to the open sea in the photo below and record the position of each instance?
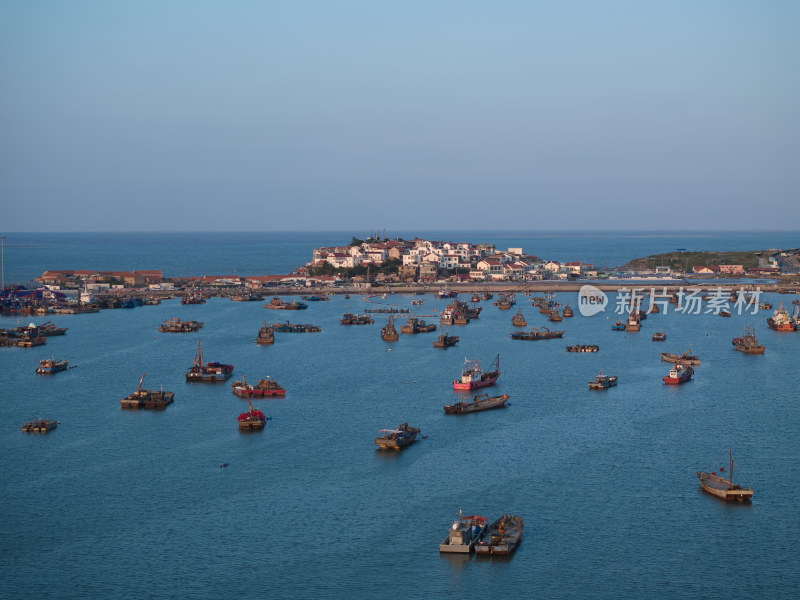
(133, 504)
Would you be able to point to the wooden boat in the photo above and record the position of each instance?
(603, 382)
(48, 366)
(685, 358)
(536, 334)
(583, 348)
(487, 296)
(554, 316)
(633, 323)
(478, 403)
(351, 319)
(722, 488)
(315, 298)
(653, 308)
(445, 341)
(157, 400)
(278, 304)
(253, 420)
(266, 335)
(388, 331)
(473, 377)
(175, 325)
(659, 336)
(463, 533)
(724, 313)
(31, 342)
(247, 298)
(765, 306)
(781, 321)
(193, 297)
(265, 388)
(502, 537)
(295, 327)
(39, 426)
(415, 325)
(396, 439)
(47, 329)
(678, 374)
(618, 326)
(211, 372)
(748, 343)
(567, 312)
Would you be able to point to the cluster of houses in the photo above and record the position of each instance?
(427, 260)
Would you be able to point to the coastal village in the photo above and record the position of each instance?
(397, 262)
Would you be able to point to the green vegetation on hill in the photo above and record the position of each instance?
(685, 261)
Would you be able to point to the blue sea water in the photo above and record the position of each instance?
(132, 504)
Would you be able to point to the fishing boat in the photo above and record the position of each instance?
(724, 313)
(567, 312)
(193, 297)
(583, 348)
(396, 439)
(748, 343)
(685, 358)
(39, 426)
(315, 298)
(446, 293)
(265, 388)
(722, 488)
(211, 372)
(247, 298)
(680, 373)
(478, 403)
(445, 341)
(415, 325)
(781, 321)
(542, 333)
(351, 319)
(266, 334)
(502, 537)
(618, 326)
(416, 301)
(633, 323)
(554, 316)
(388, 331)
(278, 304)
(603, 382)
(659, 336)
(487, 296)
(32, 330)
(158, 400)
(463, 533)
(765, 306)
(653, 308)
(288, 327)
(48, 366)
(476, 297)
(175, 325)
(253, 420)
(518, 320)
(31, 341)
(473, 377)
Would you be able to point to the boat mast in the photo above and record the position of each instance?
(730, 473)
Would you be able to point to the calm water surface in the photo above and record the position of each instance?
(132, 504)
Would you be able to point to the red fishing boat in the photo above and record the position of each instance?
(473, 377)
(265, 388)
(680, 373)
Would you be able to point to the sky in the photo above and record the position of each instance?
(349, 115)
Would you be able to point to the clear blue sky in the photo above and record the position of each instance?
(351, 115)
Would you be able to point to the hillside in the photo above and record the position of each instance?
(684, 261)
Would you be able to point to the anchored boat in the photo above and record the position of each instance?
(473, 377)
(48, 366)
(253, 420)
(680, 373)
(685, 358)
(147, 398)
(603, 382)
(266, 334)
(445, 341)
(388, 331)
(39, 426)
(722, 488)
(265, 388)
(479, 403)
(502, 537)
(463, 533)
(207, 372)
(175, 325)
(396, 439)
(536, 334)
(781, 321)
(748, 343)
